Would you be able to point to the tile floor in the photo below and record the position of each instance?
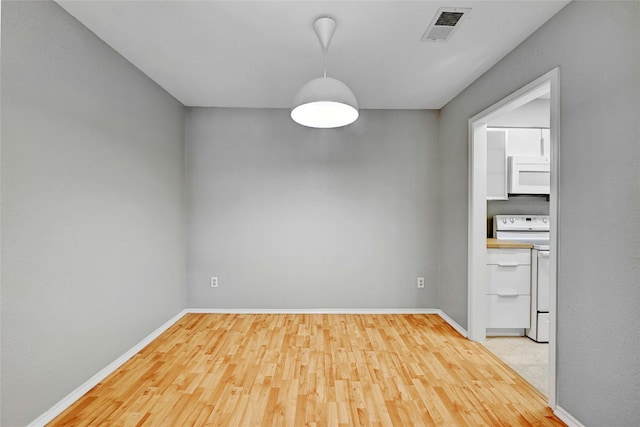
(528, 358)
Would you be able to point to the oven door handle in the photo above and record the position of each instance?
(509, 295)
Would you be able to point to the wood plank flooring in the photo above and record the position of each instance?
(315, 370)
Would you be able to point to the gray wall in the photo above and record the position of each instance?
(93, 250)
(518, 205)
(291, 217)
(597, 46)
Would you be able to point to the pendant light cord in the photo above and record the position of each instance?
(324, 61)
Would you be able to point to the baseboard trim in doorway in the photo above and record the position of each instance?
(76, 394)
(567, 418)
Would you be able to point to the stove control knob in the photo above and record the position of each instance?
(511, 219)
(504, 220)
(544, 220)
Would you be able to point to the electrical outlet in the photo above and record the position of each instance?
(214, 282)
(420, 282)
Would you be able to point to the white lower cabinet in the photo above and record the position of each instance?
(508, 284)
(508, 312)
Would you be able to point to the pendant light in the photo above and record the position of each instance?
(324, 102)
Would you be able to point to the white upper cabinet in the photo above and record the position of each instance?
(497, 164)
(524, 142)
(503, 143)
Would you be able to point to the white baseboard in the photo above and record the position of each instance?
(71, 398)
(462, 331)
(567, 418)
(314, 310)
(505, 332)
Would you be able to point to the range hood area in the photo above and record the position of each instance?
(518, 161)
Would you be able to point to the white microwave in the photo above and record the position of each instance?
(529, 175)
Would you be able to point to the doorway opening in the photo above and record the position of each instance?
(477, 214)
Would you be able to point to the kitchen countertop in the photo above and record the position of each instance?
(506, 244)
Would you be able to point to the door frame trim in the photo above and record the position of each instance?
(477, 209)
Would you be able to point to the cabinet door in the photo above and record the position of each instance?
(546, 142)
(508, 257)
(508, 281)
(508, 312)
(497, 164)
(524, 142)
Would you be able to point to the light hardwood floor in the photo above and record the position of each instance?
(317, 370)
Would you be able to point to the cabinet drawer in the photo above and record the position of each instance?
(508, 312)
(508, 280)
(509, 256)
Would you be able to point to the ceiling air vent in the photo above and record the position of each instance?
(443, 25)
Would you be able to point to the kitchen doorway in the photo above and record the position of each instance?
(477, 213)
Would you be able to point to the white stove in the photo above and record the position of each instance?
(533, 229)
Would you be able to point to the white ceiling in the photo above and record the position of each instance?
(259, 53)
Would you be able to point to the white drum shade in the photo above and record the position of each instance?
(325, 102)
